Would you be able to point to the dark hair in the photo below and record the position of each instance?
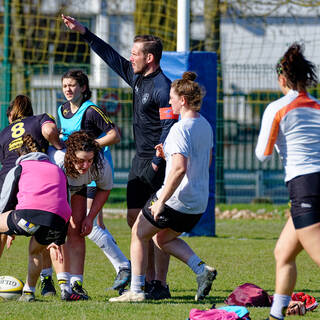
(298, 71)
(20, 107)
(151, 44)
(28, 145)
(190, 89)
(81, 141)
(82, 80)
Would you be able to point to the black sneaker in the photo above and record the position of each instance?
(122, 279)
(65, 295)
(148, 287)
(47, 287)
(158, 291)
(78, 289)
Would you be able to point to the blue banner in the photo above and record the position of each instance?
(204, 64)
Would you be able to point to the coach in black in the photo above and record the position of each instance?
(152, 120)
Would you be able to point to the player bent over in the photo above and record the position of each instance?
(28, 186)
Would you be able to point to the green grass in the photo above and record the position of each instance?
(242, 252)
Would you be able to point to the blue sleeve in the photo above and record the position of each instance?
(111, 57)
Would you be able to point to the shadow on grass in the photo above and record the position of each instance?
(244, 238)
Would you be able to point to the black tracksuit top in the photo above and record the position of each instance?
(150, 99)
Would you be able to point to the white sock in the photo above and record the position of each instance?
(45, 273)
(196, 264)
(64, 281)
(280, 301)
(104, 240)
(137, 283)
(76, 277)
(26, 287)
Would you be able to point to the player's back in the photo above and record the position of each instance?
(11, 139)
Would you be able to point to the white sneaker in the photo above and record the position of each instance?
(129, 296)
(204, 280)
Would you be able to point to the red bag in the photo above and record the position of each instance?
(249, 295)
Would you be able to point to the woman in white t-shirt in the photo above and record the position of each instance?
(183, 198)
(82, 163)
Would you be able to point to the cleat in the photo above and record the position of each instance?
(130, 296)
(27, 296)
(47, 287)
(122, 279)
(148, 287)
(78, 289)
(158, 291)
(65, 295)
(204, 281)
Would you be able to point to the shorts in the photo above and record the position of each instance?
(143, 181)
(82, 192)
(19, 224)
(91, 192)
(170, 218)
(304, 192)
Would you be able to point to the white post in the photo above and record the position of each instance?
(183, 21)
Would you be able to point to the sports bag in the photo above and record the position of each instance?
(223, 313)
(249, 295)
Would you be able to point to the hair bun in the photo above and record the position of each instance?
(189, 75)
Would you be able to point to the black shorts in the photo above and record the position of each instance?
(170, 218)
(143, 181)
(19, 224)
(82, 192)
(91, 192)
(304, 192)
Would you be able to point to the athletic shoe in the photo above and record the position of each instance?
(122, 279)
(129, 296)
(158, 291)
(309, 301)
(204, 280)
(78, 289)
(27, 296)
(65, 295)
(147, 287)
(47, 287)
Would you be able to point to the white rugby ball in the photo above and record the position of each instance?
(10, 287)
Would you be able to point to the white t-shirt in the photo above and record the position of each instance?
(103, 180)
(193, 138)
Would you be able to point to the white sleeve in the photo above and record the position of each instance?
(176, 142)
(56, 156)
(105, 181)
(268, 134)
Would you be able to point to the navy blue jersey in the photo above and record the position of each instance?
(11, 139)
(152, 114)
(94, 121)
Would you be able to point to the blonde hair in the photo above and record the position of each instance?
(190, 89)
(28, 145)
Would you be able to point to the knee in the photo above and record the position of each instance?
(160, 241)
(282, 257)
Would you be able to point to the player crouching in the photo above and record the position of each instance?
(25, 210)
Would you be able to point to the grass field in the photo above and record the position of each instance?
(242, 252)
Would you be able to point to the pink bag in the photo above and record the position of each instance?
(212, 314)
(249, 295)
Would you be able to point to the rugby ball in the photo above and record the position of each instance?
(10, 288)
